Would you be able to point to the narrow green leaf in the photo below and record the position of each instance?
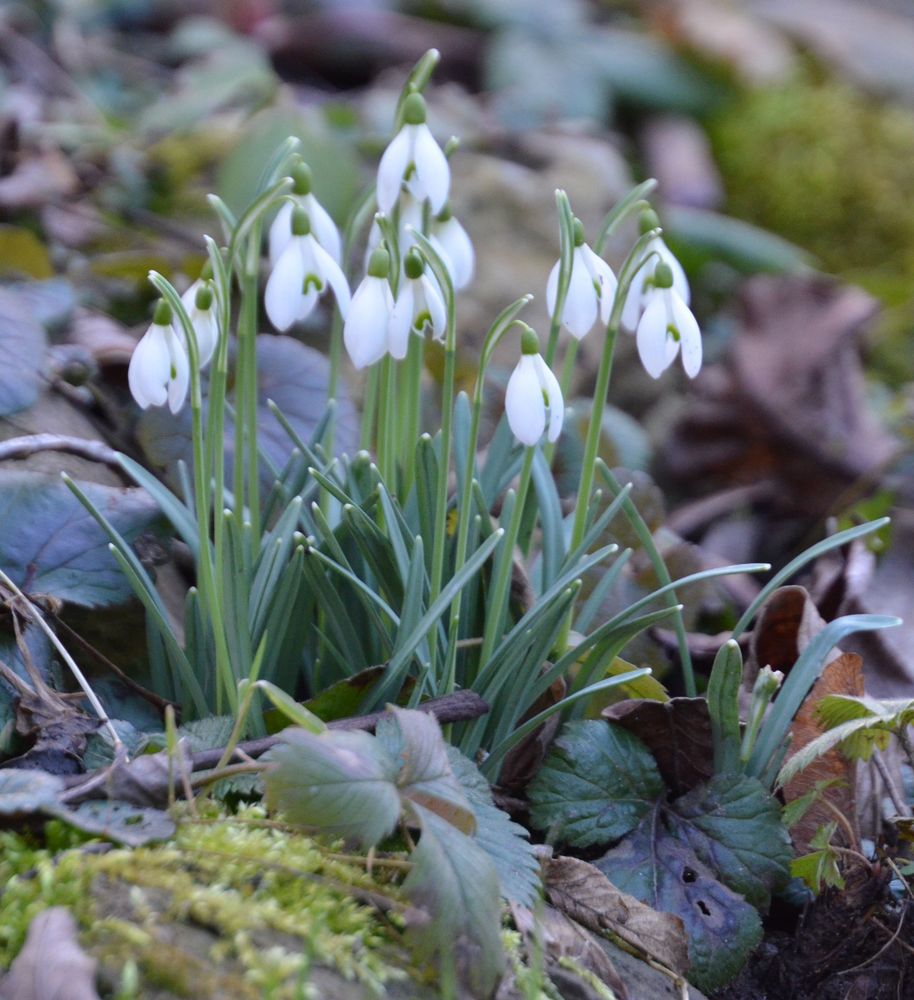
(723, 706)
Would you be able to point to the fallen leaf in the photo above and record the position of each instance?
(677, 733)
(51, 965)
(586, 895)
(843, 675)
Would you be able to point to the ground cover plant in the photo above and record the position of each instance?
(404, 673)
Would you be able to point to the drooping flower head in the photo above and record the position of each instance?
(366, 332)
(451, 241)
(419, 306)
(532, 393)
(322, 226)
(591, 288)
(414, 157)
(643, 283)
(301, 275)
(666, 327)
(159, 372)
(200, 302)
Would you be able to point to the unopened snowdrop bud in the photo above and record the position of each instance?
(367, 326)
(419, 307)
(450, 239)
(159, 372)
(591, 288)
(415, 157)
(667, 326)
(200, 302)
(301, 275)
(323, 227)
(532, 391)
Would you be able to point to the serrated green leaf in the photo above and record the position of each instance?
(341, 783)
(596, 785)
(507, 843)
(662, 871)
(425, 777)
(456, 883)
(121, 822)
(734, 827)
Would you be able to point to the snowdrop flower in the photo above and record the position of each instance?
(366, 331)
(200, 302)
(159, 371)
(409, 221)
(415, 157)
(419, 305)
(592, 287)
(643, 283)
(532, 390)
(323, 227)
(667, 325)
(301, 275)
(450, 239)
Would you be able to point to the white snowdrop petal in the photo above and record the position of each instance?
(580, 312)
(524, 405)
(634, 300)
(323, 227)
(552, 288)
(435, 305)
(680, 281)
(280, 231)
(689, 335)
(365, 329)
(549, 384)
(283, 294)
(432, 171)
(206, 328)
(149, 369)
(458, 249)
(401, 321)
(651, 337)
(602, 274)
(392, 167)
(331, 272)
(179, 372)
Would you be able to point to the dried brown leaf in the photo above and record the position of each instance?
(587, 896)
(51, 965)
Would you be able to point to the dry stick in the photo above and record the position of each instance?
(885, 947)
(31, 444)
(459, 706)
(901, 807)
(70, 662)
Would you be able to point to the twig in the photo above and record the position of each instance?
(32, 444)
(888, 944)
(901, 807)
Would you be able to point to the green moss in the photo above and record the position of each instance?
(824, 166)
(230, 908)
(832, 170)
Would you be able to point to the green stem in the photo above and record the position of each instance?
(663, 576)
(566, 259)
(368, 437)
(247, 374)
(501, 587)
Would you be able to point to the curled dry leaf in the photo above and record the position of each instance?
(51, 965)
(564, 938)
(677, 733)
(586, 895)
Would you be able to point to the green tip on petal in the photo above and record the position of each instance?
(301, 223)
(663, 276)
(414, 112)
(162, 315)
(301, 179)
(414, 265)
(648, 221)
(529, 342)
(204, 297)
(446, 213)
(578, 233)
(379, 263)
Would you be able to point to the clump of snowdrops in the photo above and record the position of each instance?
(392, 560)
